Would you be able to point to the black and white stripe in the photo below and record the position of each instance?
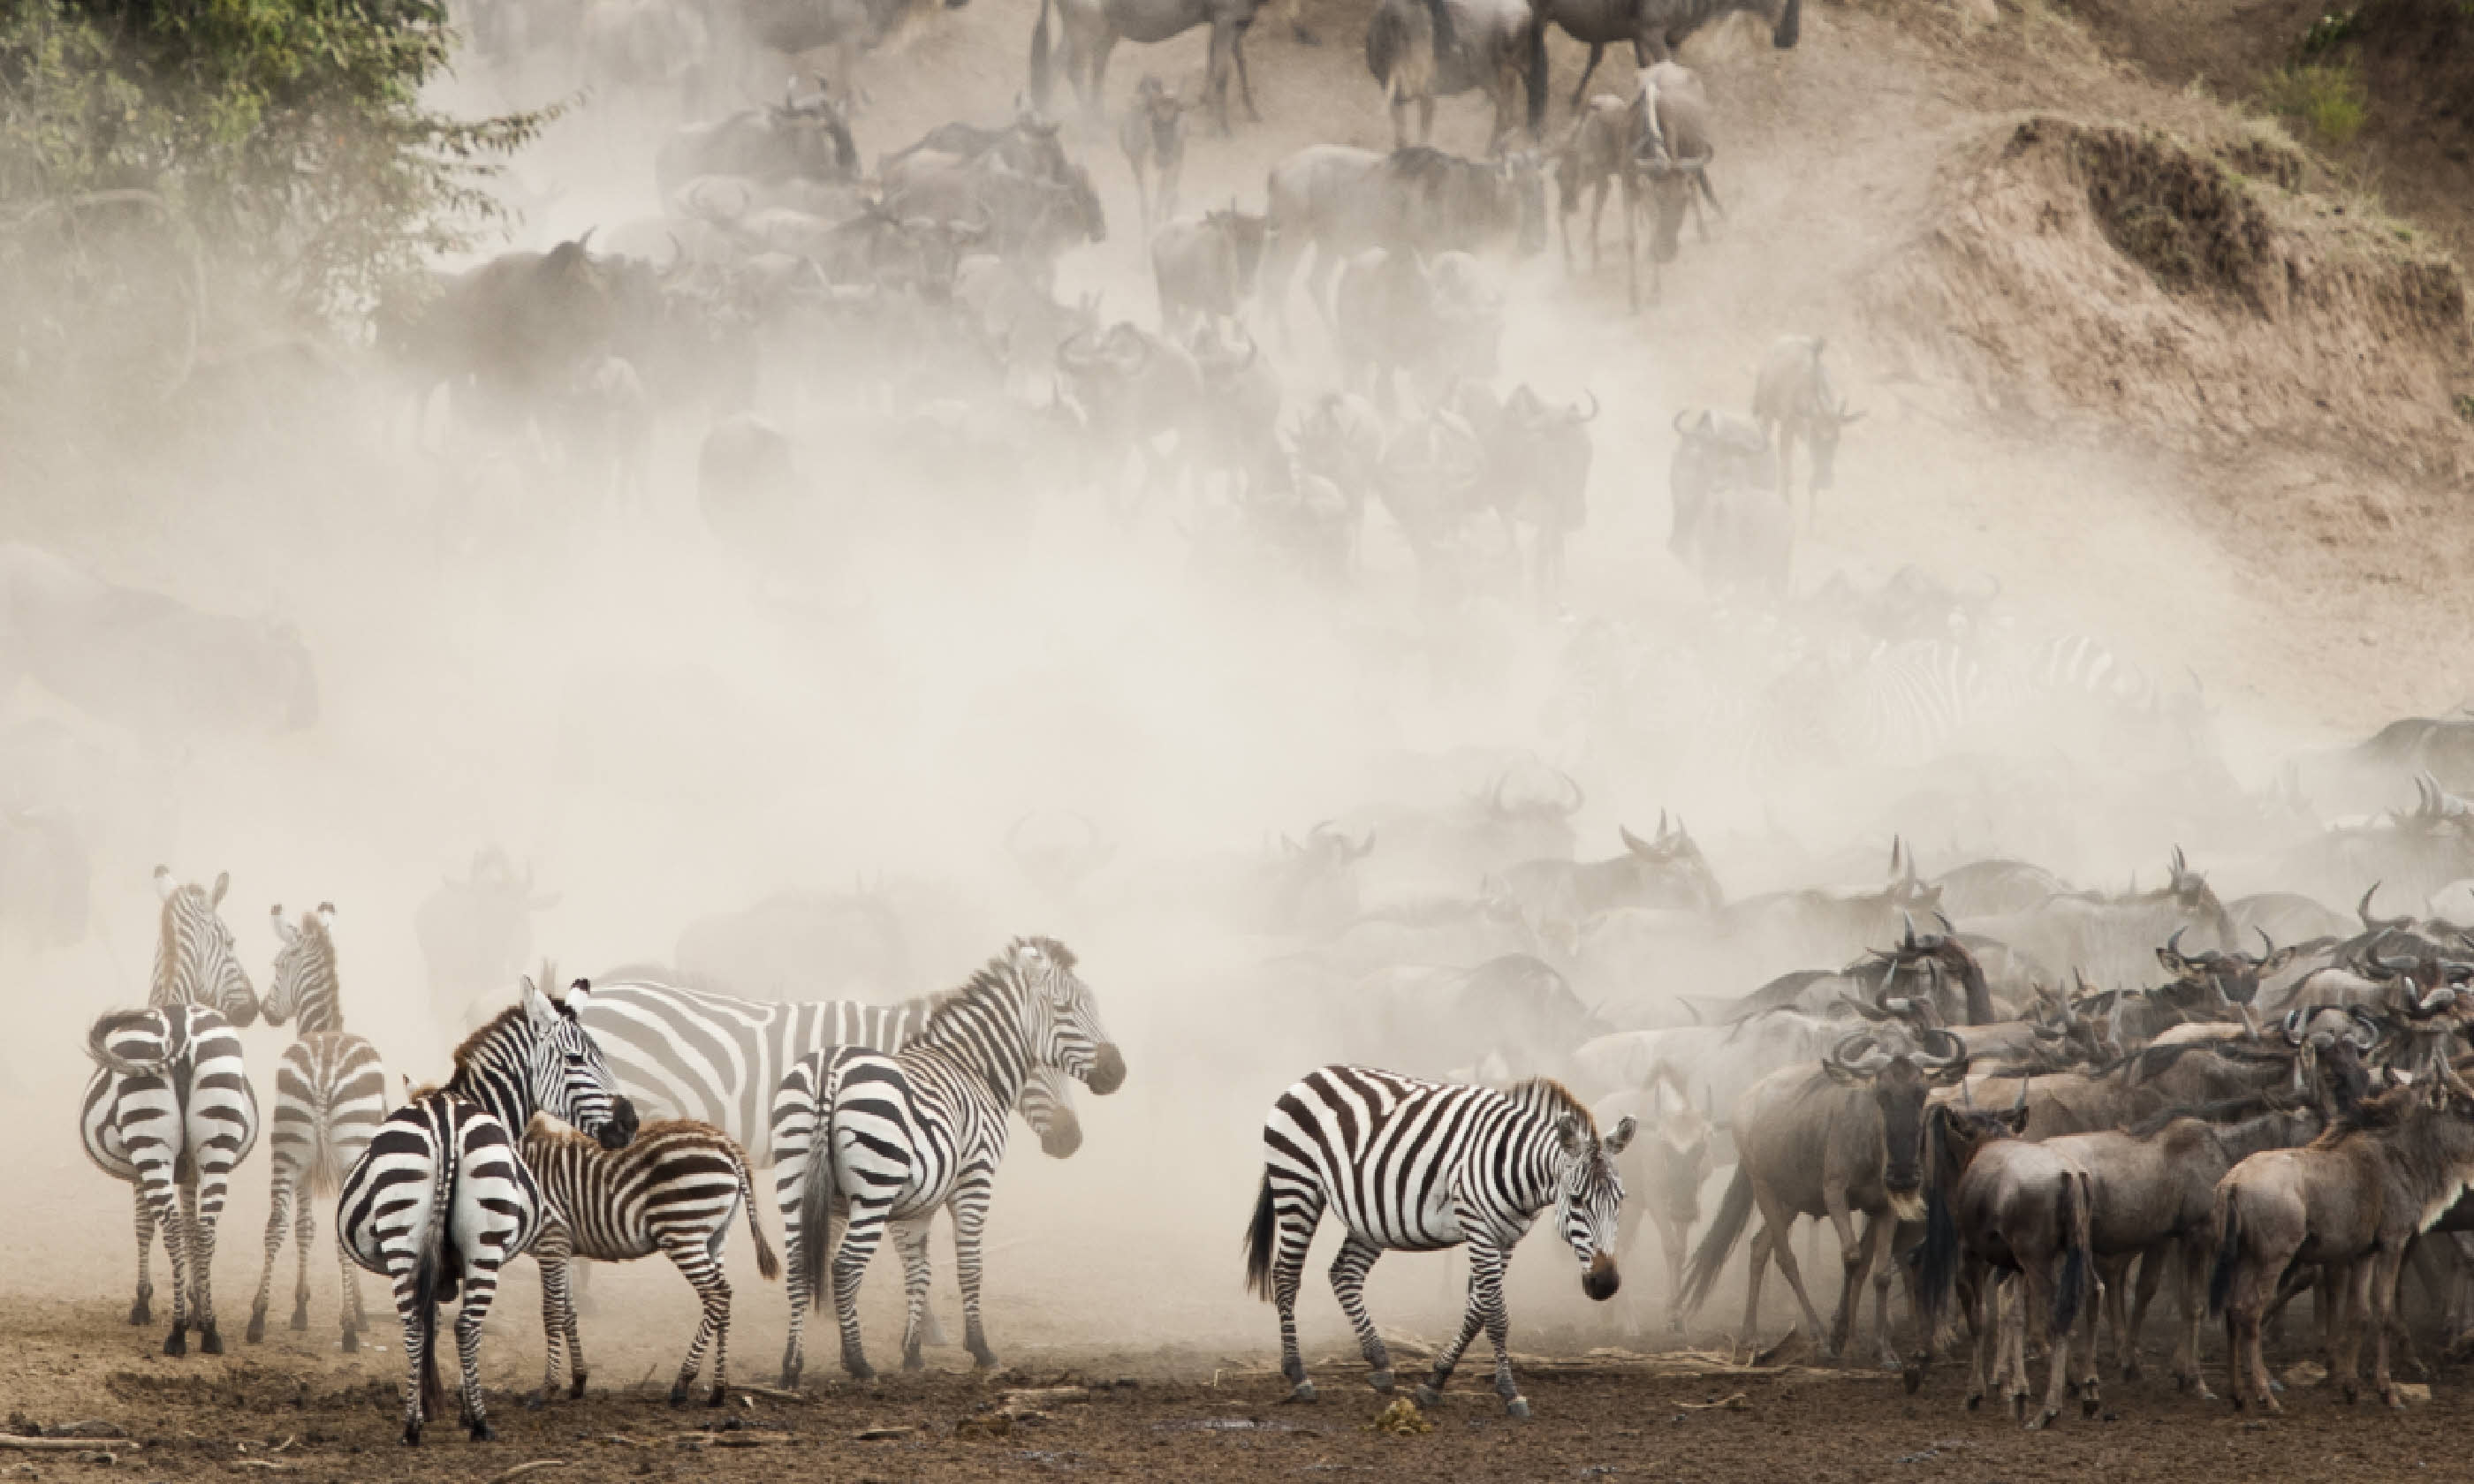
(892, 1139)
(195, 962)
(673, 1190)
(691, 1053)
(170, 1110)
(441, 1200)
(1412, 1165)
(329, 1097)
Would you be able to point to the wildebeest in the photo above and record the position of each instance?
(1029, 145)
(475, 934)
(1829, 1141)
(1655, 27)
(1666, 173)
(847, 27)
(1422, 49)
(1588, 163)
(1558, 896)
(2112, 939)
(1662, 1172)
(2354, 1199)
(1517, 1008)
(1021, 322)
(1152, 136)
(1205, 271)
(1091, 29)
(2415, 854)
(1394, 312)
(1130, 388)
(1792, 399)
(1340, 201)
(1727, 522)
(1538, 475)
(1432, 485)
(1031, 219)
(797, 139)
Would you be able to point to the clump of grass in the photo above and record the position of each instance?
(2465, 406)
(2329, 32)
(2327, 98)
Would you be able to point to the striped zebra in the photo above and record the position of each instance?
(1896, 704)
(330, 1095)
(210, 1108)
(1413, 1165)
(170, 1110)
(881, 1140)
(691, 1053)
(672, 1191)
(441, 1200)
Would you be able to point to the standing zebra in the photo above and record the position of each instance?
(672, 1191)
(1414, 1165)
(170, 1105)
(893, 1140)
(441, 1199)
(170, 1110)
(329, 1097)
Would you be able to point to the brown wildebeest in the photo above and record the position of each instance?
(1089, 30)
(1422, 49)
(1655, 27)
(1792, 399)
(1844, 1137)
(1152, 136)
(2352, 1200)
(2020, 1210)
(1664, 1168)
(1665, 171)
(1588, 163)
(1342, 202)
(1205, 271)
(1667, 871)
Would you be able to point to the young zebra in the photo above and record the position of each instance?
(329, 1097)
(1414, 1165)
(170, 1110)
(892, 1139)
(673, 1190)
(441, 1199)
(195, 964)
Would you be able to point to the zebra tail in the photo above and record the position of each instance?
(1258, 1243)
(816, 1199)
(425, 1277)
(104, 1057)
(767, 1265)
(1720, 1240)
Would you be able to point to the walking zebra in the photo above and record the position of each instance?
(157, 1116)
(1414, 1165)
(170, 1110)
(329, 1097)
(441, 1199)
(673, 1190)
(893, 1140)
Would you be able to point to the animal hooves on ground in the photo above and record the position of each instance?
(210, 1343)
(1517, 1406)
(351, 1342)
(1427, 1397)
(255, 1334)
(575, 1387)
(482, 1432)
(679, 1394)
(140, 1314)
(1303, 1391)
(176, 1343)
(720, 1394)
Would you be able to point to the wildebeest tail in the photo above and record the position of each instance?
(2220, 1277)
(1936, 1260)
(2071, 1289)
(1041, 82)
(1537, 74)
(1259, 1242)
(1719, 1241)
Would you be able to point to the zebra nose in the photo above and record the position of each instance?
(620, 1130)
(1601, 1280)
(1107, 1071)
(1063, 1138)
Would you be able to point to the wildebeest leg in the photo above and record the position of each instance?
(2191, 1283)
(2386, 1268)
(1675, 1239)
(1245, 84)
(1426, 118)
(1781, 1225)
(1348, 1269)
(2039, 1271)
(1101, 46)
(2346, 1318)
(1597, 209)
(1758, 1251)
(1854, 1255)
(1631, 239)
(1878, 1246)
(1215, 82)
(1597, 52)
(1984, 1317)
(2152, 1263)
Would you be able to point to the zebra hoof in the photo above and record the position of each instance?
(575, 1387)
(412, 1434)
(481, 1431)
(911, 1361)
(720, 1394)
(1381, 1381)
(1517, 1406)
(859, 1368)
(176, 1343)
(352, 1341)
(300, 1317)
(1303, 1391)
(1426, 1396)
(255, 1334)
(141, 1312)
(211, 1342)
(679, 1394)
(983, 1359)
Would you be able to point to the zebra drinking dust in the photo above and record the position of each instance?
(1414, 1165)
(441, 1199)
(673, 1190)
(170, 1110)
(170, 1107)
(329, 1097)
(893, 1140)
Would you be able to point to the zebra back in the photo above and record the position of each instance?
(195, 961)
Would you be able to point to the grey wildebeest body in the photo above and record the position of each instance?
(1664, 1172)
(1588, 163)
(1340, 201)
(1031, 219)
(1792, 398)
(1727, 522)
(1538, 473)
(1091, 29)
(798, 139)
(2112, 939)
(1665, 171)
(1205, 271)
(1655, 27)
(1437, 323)
(1558, 896)
(2352, 1199)
(1152, 136)
(1422, 49)
(1831, 1141)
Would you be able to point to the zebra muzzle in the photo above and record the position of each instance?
(1601, 1280)
(1107, 1071)
(619, 1131)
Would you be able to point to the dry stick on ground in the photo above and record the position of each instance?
(535, 1466)
(770, 1392)
(60, 1445)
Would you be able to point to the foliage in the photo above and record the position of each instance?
(2327, 98)
(2327, 32)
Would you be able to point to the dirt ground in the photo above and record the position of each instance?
(295, 1410)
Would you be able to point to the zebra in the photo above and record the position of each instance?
(1414, 1165)
(673, 1190)
(195, 964)
(882, 1139)
(170, 1110)
(330, 1095)
(441, 1200)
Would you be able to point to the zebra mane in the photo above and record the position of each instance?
(511, 1017)
(1547, 1095)
(168, 943)
(995, 975)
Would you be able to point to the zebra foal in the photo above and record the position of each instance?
(889, 1140)
(441, 1200)
(673, 1190)
(329, 1098)
(1412, 1165)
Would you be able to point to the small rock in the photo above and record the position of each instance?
(2305, 1372)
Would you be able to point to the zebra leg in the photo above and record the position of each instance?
(1357, 1258)
(554, 1252)
(721, 1317)
(170, 1213)
(202, 1203)
(356, 1316)
(480, 1287)
(911, 1240)
(696, 1264)
(863, 1229)
(404, 1270)
(142, 1313)
(305, 1236)
(970, 1208)
(278, 1196)
(1485, 1282)
(793, 1126)
(1297, 1218)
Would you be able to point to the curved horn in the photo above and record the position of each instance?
(2267, 944)
(1578, 797)
(2294, 1027)
(1909, 943)
(2367, 1030)
(1680, 415)
(2370, 923)
(1842, 1052)
(1592, 416)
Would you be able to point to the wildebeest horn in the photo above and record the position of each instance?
(1633, 842)
(2294, 1027)
(1909, 941)
(1592, 416)
(1867, 1065)
(1680, 415)
(1578, 797)
(1943, 918)
(1954, 1057)
(2021, 1100)
(2437, 1000)
(2267, 944)
(2370, 923)
(2367, 1028)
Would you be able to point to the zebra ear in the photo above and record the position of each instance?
(1567, 1133)
(165, 885)
(284, 932)
(538, 1008)
(1614, 1142)
(223, 884)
